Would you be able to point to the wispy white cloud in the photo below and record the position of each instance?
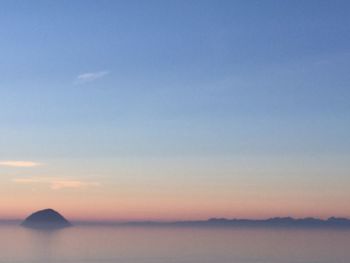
(20, 163)
(56, 183)
(90, 76)
(60, 184)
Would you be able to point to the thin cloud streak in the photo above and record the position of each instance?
(90, 76)
(20, 163)
(56, 183)
(60, 184)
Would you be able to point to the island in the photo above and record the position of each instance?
(46, 219)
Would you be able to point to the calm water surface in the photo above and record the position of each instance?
(173, 245)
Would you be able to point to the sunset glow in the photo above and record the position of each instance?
(174, 110)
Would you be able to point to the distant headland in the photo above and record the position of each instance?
(46, 219)
(275, 222)
(308, 222)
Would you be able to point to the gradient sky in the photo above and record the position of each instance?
(119, 110)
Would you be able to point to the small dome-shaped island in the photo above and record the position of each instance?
(46, 219)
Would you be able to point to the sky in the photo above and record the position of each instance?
(175, 110)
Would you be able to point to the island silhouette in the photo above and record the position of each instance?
(46, 219)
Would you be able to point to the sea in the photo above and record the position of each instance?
(166, 244)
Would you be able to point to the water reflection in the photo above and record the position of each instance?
(173, 245)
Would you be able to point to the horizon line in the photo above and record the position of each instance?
(202, 220)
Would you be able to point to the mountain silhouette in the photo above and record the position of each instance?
(285, 222)
(46, 219)
(272, 222)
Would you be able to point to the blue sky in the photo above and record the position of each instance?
(111, 80)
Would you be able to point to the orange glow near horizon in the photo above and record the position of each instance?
(176, 189)
(124, 211)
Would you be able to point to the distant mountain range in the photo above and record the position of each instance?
(332, 222)
(273, 222)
